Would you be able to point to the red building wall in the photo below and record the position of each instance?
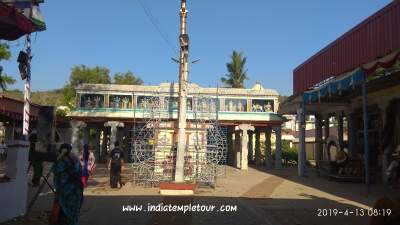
(376, 36)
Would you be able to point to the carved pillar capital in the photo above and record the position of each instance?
(113, 124)
(244, 128)
(114, 129)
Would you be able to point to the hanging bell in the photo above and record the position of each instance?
(23, 71)
(23, 58)
(23, 64)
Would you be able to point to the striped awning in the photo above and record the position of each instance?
(18, 18)
(350, 80)
(335, 86)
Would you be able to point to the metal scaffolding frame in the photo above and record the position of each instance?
(204, 160)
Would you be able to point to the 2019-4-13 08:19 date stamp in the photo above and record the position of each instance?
(325, 212)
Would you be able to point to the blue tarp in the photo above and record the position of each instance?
(334, 87)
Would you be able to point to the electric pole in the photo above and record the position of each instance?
(183, 77)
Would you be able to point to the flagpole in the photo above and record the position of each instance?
(27, 91)
(183, 78)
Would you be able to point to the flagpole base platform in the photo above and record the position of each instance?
(177, 189)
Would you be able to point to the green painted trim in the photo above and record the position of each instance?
(172, 111)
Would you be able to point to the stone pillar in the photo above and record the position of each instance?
(326, 127)
(385, 163)
(278, 148)
(340, 129)
(258, 151)
(387, 151)
(3, 128)
(268, 155)
(244, 144)
(97, 146)
(86, 135)
(352, 135)
(121, 135)
(302, 141)
(114, 129)
(76, 126)
(103, 154)
(326, 136)
(230, 147)
(251, 149)
(276, 105)
(124, 140)
(237, 149)
(318, 140)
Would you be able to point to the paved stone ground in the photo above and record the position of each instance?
(261, 197)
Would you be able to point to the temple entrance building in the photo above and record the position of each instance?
(106, 113)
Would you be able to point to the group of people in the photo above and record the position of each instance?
(96, 102)
(260, 108)
(71, 174)
(119, 102)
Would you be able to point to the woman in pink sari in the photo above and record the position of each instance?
(88, 165)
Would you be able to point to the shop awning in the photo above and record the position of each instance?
(18, 19)
(335, 86)
(350, 80)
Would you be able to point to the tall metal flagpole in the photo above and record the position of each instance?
(183, 77)
(27, 90)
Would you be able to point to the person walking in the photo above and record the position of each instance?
(35, 159)
(87, 161)
(115, 165)
(68, 185)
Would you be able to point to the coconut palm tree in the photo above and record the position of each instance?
(5, 80)
(236, 71)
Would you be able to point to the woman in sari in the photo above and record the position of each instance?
(87, 161)
(68, 184)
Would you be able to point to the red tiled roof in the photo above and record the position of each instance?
(13, 108)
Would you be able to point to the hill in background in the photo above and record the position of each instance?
(51, 98)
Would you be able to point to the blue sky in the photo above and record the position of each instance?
(275, 36)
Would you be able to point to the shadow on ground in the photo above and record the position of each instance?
(357, 192)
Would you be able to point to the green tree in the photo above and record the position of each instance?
(80, 75)
(236, 71)
(5, 54)
(127, 78)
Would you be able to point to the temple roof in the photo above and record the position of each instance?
(193, 88)
(257, 87)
